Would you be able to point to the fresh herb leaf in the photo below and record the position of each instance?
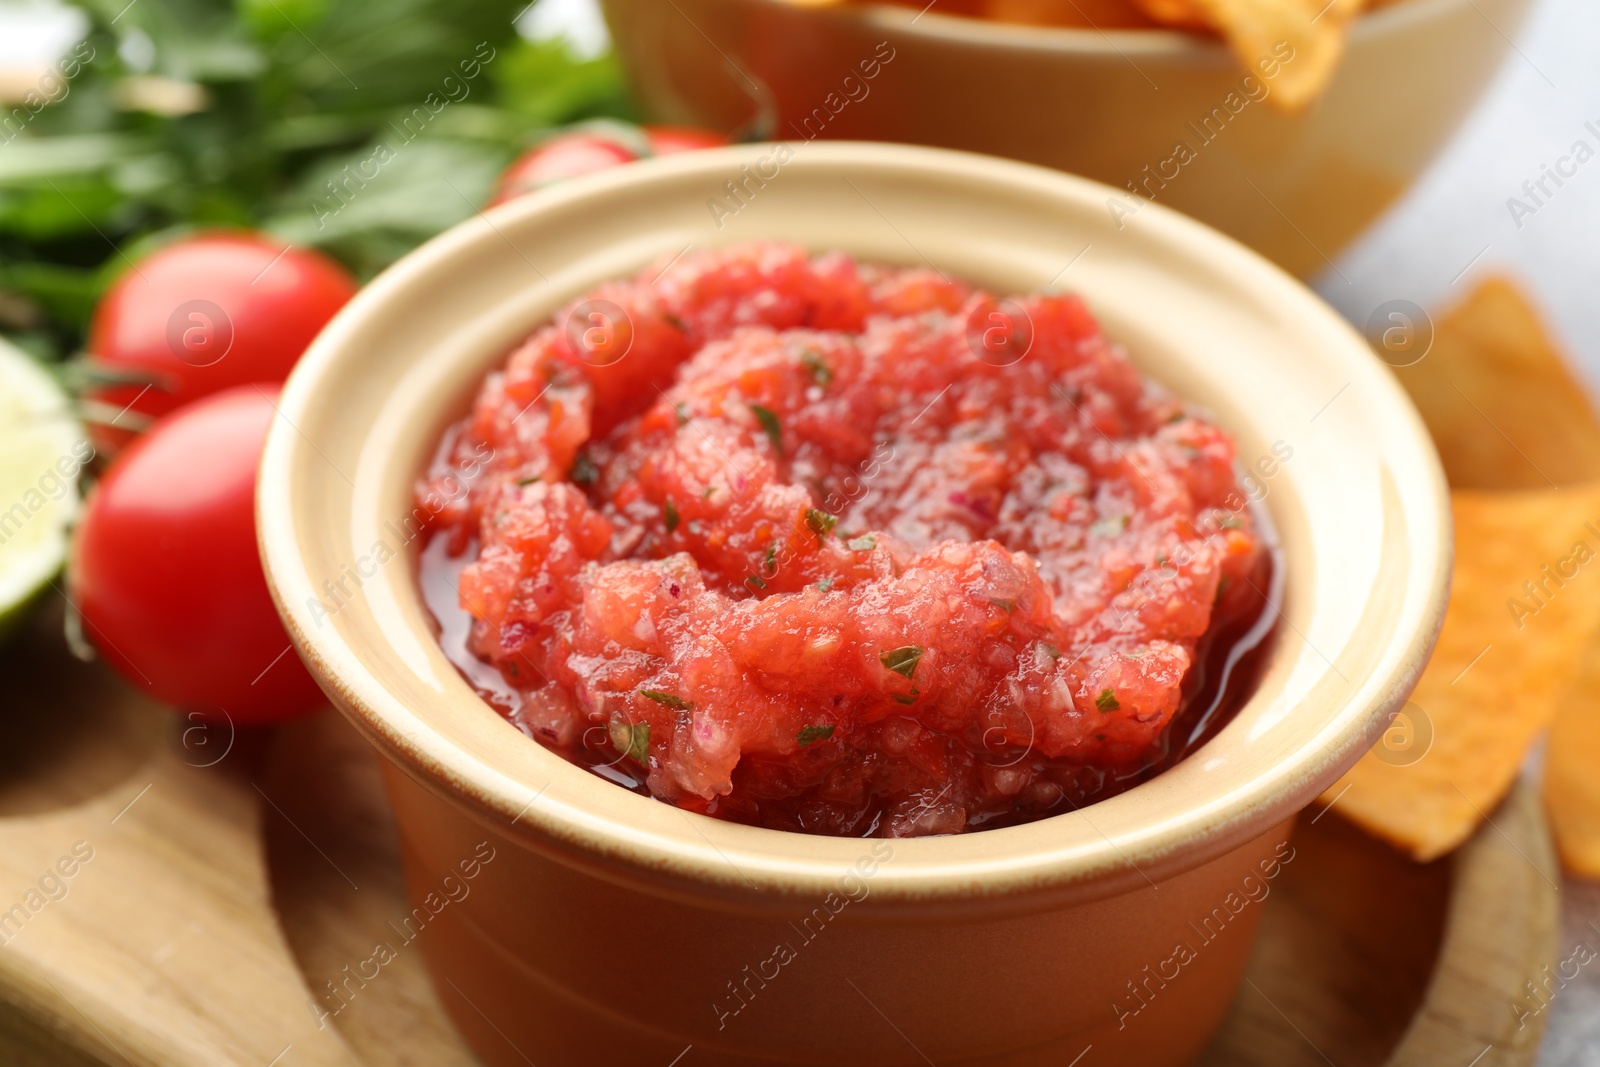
(820, 522)
(682, 412)
(1110, 527)
(904, 698)
(754, 582)
(769, 425)
(525, 482)
(675, 322)
(268, 112)
(1230, 522)
(632, 740)
(1004, 605)
(544, 83)
(583, 472)
(825, 584)
(903, 661)
(864, 543)
(1107, 701)
(669, 699)
(821, 373)
(808, 734)
(772, 557)
(669, 515)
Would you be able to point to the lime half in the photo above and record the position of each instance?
(42, 451)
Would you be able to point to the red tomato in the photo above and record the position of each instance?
(166, 573)
(585, 151)
(667, 140)
(563, 156)
(206, 313)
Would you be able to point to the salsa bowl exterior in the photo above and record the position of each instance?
(603, 926)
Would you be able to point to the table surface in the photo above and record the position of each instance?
(1455, 224)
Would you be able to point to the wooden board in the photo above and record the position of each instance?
(233, 880)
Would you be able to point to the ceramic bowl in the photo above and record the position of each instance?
(1112, 105)
(600, 926)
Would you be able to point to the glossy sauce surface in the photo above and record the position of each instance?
(829, 547)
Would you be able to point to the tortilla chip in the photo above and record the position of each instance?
(1572, 771)
(1098, 14)
(1523, 610)
(1180, 14)
(1506, 412)
(1293, 44)
(1503, 407)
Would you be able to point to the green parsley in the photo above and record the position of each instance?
(903, 661)
(820, 522)
(1230, 522)
(821, 373)
(669, 515)
(808, 734)
(632, 740)
(583, 472)
(904, 698)
(674, 321)
(682, 412)
(1110, 527)
(1107, 701)
(864, 543)
(525, 482)
(754, 582)
(769, 424)
(825, 584)
(669, 699)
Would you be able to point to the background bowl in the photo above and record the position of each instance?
(1106, 105)
(600, 922)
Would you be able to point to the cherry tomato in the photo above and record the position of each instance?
(206, 313)
(166, 573)
(585, 151)
(563, 156)
(667, 140)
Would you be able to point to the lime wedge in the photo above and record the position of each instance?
(42, 449)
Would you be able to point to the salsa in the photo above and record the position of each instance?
(832, 547)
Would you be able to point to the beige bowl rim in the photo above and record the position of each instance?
(1118, 845)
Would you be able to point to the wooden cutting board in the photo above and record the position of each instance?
(218, 884)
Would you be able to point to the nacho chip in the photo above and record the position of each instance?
(1098, 14)
(1523, 611)
(1296, 44)
(1179, 14)
(1572, 771)
(1506, 412)
(1503, 407)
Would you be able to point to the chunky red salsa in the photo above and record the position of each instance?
(826, 546)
